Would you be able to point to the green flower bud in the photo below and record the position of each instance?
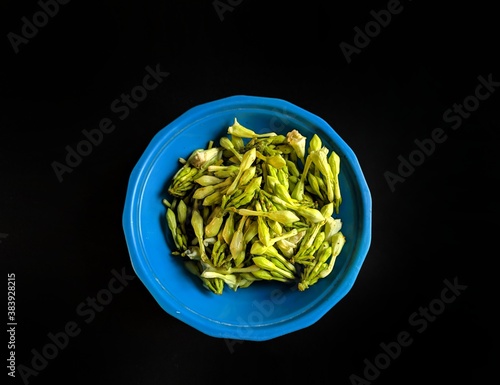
(208, 180)
(266, 264)
(238, 130)
(298, 190)
(334, 162)
(263, 230)
(276, 161)
(201, 158)
(282, 193)
(285, 217)
(203, 192)
(213, 199)
(197, 224)
(338, 241)
(327, 210)
(182, 212)
(182, 182)
(324, 252)
(315, 144)
(332, 227)
(263, 274)
(224, 172)
(286, 247)
(238, 142)
(311, 215)
(215, 285)
(237, 244)
(314, 185)
(228, 230)
(251, 231)
(283, 261)
(259, 248)
(215, 222)
(247, 175)
(229, 279)
(171, 221)
(248, 159)
(320, 160)
(228, 145)
(298, 143)
(284, 177)
(292, 168)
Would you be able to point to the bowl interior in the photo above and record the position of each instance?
(264, 310)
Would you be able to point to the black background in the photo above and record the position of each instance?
(63, 239)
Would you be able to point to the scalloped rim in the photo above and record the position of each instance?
(130, 219)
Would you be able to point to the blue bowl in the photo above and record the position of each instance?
(264, 310)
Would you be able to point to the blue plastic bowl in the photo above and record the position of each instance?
(265, 310)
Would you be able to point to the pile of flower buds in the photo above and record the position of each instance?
(257, 207)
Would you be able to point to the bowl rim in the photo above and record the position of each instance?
(140, 172)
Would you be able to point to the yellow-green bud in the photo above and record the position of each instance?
(208, 180)
(276, 161)
(298, 143)
(315, 144)
(238, 130)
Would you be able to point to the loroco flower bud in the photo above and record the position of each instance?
(298, 143)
